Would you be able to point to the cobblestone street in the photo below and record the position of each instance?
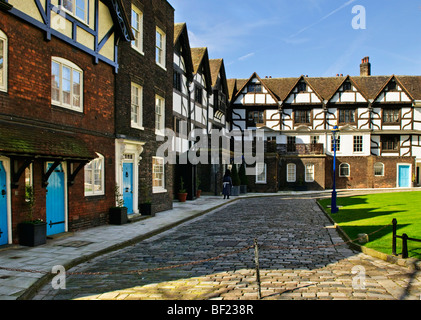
(301, 257)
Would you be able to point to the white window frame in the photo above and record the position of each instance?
(291, 171)
(160, 188)
(159, 115)
(138, 32)
(378, 164)
(261, 173)
(138, 123)
(340, 170)
(358, 141)
(73, 12)
(101, 161)
(309, 174)
(73, 68)
(4, 40)
(160, 49)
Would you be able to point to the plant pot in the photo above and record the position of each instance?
(146, 209)
(32, 234)
(182, 197)
(118, 215)
(198, 193)
(243, 188)
(235, 190)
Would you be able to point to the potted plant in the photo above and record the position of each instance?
(235, 190)
(146, 204)
(243, 179)
(198, 191)
(32, 232)
(182, 193)
(118, 214)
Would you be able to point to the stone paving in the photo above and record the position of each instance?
(300, 255)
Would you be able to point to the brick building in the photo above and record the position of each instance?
(378, 117)
(144, 106)
(57, 83)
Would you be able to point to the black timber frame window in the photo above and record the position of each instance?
(390, 143)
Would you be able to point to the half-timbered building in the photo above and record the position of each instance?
(378, 117)
(58, 61)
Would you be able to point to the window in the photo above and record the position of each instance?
(347, 86)
(77, 8)
(347, 116)
(66, 84)
(391, 116)
(29, 184)
(309, 173)
(302, 87)
(137, 106)
(254, 88)
(358, 143)
(177, 81)
(158, 174)
(378, 169)
(137, 29)
(314, 139)
(160, 47)
(390, 142)
(338, 144)
(392, 86)
(291, 172)
(344, 170)
(198, 94)
(291, 144)
(302, 116)
(3, 62)
(256, 117)
(94, 177)
(159, 115)
(260, 172)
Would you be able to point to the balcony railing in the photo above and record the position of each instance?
(294, 149)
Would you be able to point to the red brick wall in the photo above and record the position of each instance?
(28, 100)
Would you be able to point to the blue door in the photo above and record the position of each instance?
(128, 186)
(55, 201)
(404, 178)
(3, 206)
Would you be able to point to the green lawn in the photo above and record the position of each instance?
(369, 213)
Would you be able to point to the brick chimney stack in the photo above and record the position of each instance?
(365, 67)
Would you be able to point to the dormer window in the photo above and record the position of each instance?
(254, 88)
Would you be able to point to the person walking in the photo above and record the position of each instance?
(227, 184)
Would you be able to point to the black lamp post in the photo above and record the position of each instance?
(335, 136)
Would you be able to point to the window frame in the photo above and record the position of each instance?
(300, 114)
(264, 173)
(378, 164)
(389, 113)
(73, 12)
(390, 140)
(139, 123)
(139, 21)
(309, 176)
(160, 51)
(159, 117)
(74, 68)
(338, 144)
(291, 172)
(5, 41)
(161, 187)
(358, 144)
(93, 193)
(343, 165)
(254, 88)
(348, 112)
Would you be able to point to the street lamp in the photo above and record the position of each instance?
(335, 136)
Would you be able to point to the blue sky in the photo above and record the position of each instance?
(286, 38)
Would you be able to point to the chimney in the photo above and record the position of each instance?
(365, 67)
